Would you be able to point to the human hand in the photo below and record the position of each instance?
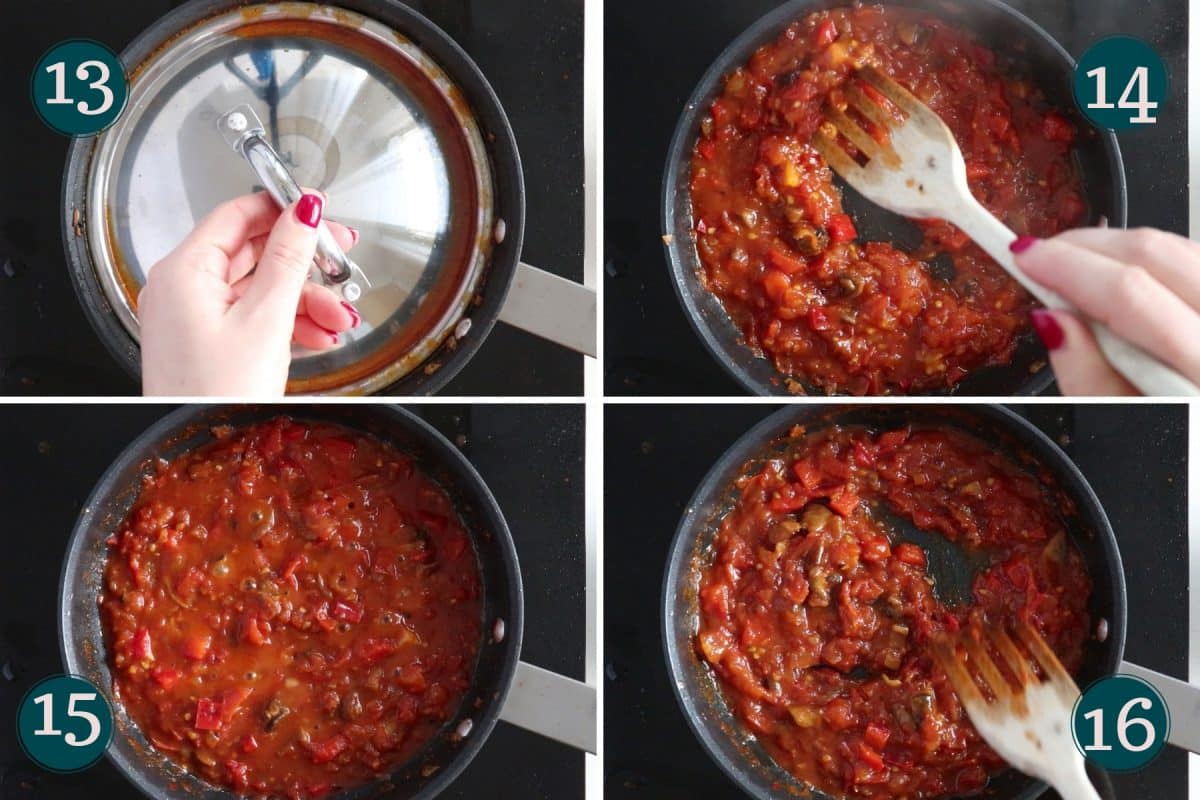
(219, 313)
(1144, 284)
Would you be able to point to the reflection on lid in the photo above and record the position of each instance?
(355, 111)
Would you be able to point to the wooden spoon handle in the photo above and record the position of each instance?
(1145, 371)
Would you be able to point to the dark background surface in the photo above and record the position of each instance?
(530, 50)
(53, 455)
(1135, 458)
(650, 349)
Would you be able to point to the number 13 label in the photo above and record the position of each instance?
(1121, 83)
(64, 724)
(79, 87)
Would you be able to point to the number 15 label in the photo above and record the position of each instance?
(64, 723)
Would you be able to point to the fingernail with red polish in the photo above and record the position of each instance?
(1022, 243)
(353, 314)
(308, 210)
(353, 236)
(1048, 329)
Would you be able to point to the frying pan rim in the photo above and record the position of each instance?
(490, 116)
(178, 419)
(760, 435)
(778, 18)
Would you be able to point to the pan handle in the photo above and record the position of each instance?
(1183, 700)
(552, 705)
(553, 308)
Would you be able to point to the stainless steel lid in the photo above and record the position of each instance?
(356, 110)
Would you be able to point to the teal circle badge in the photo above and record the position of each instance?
(78, 87)
(1120, 723)
(64, 724)
(1121, 83)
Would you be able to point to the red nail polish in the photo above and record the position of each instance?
(1022, 243)
(353, 314)
(308, 210)
(1048, 329)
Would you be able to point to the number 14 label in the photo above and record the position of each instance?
(1126, 65)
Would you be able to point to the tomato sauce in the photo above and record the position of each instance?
(291, 610)
(838, 314)
(817, 618)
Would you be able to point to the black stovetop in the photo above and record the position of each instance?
(1134, 456)
(650, 349)
(530, 50)
(530, 456)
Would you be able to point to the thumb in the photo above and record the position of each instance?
(274, 290)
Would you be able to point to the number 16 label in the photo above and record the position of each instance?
(1121, 83)
(1121, 723)
(78, 87)
(64, 724)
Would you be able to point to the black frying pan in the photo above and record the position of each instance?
(998, 26)
(508, 187)
(81, 635)
(743, 759)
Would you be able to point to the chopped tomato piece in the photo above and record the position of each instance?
(785, 262)
(249, 743)
(910, 553)
(165, 676)
(328, 750)
(876, 735)
(1056, 128)
(239, 774)
(844, 500)
(254, 630)
(707, 148)
(870, 757)
(196, 647)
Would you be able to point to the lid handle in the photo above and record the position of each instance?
(244, 132)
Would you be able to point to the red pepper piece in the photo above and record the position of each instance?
(140, 648)
(208, 715)
(784, 262)
(841, 228)
(347, 612)
(239, 774)
(825, 34)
